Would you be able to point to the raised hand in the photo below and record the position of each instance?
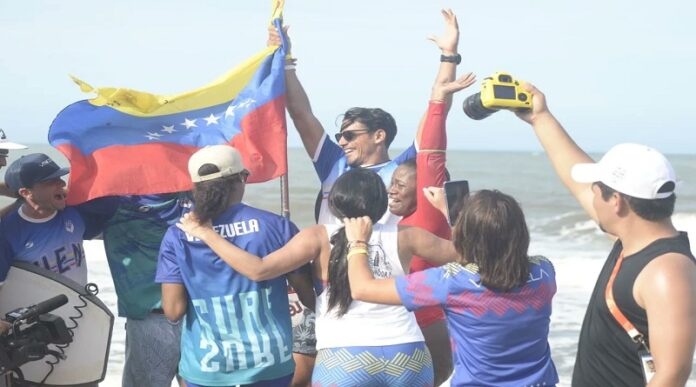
(358, 229)
(538, 105)
(443, 89)
(190, 224)
(450, 38)
(274, 38)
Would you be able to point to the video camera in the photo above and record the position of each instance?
(500, 91)
(33, 329)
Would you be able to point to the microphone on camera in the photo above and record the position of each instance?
(31, 312)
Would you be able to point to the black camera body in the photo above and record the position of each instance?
(28, 340)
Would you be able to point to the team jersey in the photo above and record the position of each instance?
(53, 243)
(499, 339)
(237, 331)
(330, 163)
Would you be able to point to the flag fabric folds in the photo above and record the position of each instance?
(127, 142)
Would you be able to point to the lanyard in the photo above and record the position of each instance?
(635, 335)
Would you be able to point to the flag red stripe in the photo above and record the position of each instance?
(162, 167)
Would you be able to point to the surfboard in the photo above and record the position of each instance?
(89, 319)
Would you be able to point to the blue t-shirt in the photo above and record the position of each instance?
(237, 331)
(331, 163)
(499, 338)
(54, 243)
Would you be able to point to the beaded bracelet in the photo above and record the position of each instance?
(356, 243)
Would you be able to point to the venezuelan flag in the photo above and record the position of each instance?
(128, 142)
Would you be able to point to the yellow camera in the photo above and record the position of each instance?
(500, 91)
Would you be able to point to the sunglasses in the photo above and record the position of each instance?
(350, 135)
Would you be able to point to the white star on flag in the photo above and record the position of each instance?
(212, 119)
(230, 111)
(156, 135)
(189, 123)
(152, 137)
(168, 129)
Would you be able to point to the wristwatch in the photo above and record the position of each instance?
(456, 59)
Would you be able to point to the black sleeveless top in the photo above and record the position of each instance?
(606, 354)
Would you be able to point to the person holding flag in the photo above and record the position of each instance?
(135, 146)
(363, 141)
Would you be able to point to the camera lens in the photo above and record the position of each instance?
(505, 78)
(474, 108)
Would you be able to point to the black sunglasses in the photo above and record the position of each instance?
(349, 135)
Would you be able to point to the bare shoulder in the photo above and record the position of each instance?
(666, 278)
(671, 264)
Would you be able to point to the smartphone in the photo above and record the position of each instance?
(455, 191)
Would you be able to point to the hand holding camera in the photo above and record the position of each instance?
(539, 104)
(500, 91)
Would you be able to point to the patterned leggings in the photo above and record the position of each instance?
(407, 365)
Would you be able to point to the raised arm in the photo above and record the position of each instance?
(296, 100)
(563, 152)
(447, 43)
(431, 158)
(302, 248)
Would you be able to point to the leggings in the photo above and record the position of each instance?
(400, 365)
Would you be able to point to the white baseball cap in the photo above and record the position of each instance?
(4, 144)
(632, 169)
(226, 158)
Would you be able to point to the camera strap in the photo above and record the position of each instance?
(635, 335)
(644, 354)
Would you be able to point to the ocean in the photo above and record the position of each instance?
(559, 229)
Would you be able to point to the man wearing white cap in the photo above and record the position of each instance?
(640, 324)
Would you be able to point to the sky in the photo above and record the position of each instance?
(613, 71)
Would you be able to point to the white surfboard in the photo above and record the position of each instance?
(90, 320)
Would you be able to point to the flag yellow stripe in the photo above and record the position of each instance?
(143, 104)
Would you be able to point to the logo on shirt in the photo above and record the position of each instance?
(29, 245)
(69, 226)
(380, 266)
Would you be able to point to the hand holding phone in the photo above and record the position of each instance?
(455, 191)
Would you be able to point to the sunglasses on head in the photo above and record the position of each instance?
(350, 135)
